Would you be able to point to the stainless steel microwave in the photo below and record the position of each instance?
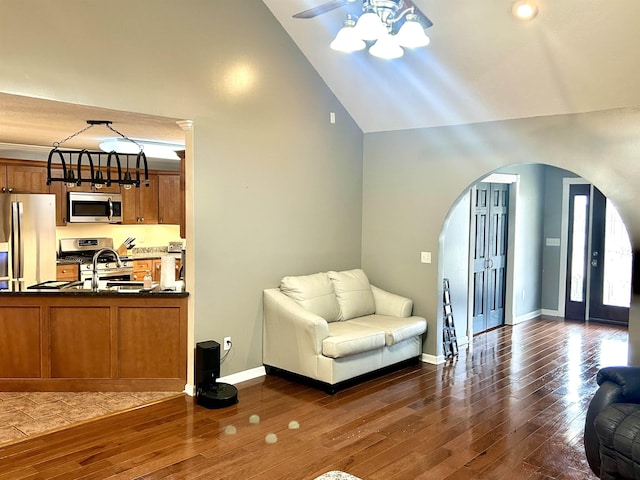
(94, 207)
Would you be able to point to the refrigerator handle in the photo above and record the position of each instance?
(110, 209)
(17, 244)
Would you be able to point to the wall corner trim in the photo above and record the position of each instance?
(432, 359)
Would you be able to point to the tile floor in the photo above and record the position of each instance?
(26, 414)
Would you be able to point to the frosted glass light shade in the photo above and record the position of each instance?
(370, 27)
(411, 35)
(151, 149)
(347, 40)
(386, 47)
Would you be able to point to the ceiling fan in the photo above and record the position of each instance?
(391, 25)
(393, 6)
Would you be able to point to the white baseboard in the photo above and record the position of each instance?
(232, 379)
(551, 313)
(244, 375)
(432, 359)
(526, 316)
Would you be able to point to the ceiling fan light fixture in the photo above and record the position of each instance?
(347, 40)
(369, 26)
(386, 47)
(524, 10)
(411, 34)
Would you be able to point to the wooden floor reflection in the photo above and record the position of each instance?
(511, 407)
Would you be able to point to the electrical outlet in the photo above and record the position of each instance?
(226, 343)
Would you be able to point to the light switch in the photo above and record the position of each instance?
(552, 242)
(425, 257)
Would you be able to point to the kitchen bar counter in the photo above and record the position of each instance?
(81, 292)
(93, 341)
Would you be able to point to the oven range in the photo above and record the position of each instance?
(82, 250)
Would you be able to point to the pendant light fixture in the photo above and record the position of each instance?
(385, 23)
(96, 178)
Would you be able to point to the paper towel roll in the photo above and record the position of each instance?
(168, 273)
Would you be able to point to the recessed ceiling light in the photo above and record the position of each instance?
(525, 10)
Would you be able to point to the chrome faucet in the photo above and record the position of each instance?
(94, 275)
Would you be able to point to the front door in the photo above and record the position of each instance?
(489, 254)
(599, 259)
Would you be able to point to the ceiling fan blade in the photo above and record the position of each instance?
(424, 20)
(320, 9)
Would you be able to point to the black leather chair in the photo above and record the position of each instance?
(612, 427)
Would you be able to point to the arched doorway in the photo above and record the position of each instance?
(536, 248)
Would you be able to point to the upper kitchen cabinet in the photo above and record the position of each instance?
(23, 179)
(170, 199)
(140, 205)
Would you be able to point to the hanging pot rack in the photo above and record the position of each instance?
(97, 178)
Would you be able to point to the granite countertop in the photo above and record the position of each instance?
(78, 290)
(71, 292)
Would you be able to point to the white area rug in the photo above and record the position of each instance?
(336, 475)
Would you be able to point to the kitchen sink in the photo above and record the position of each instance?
(125, 286)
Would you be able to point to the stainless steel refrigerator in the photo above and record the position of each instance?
(27, 239)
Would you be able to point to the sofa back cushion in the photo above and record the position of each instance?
(353, 292)
(314, 293)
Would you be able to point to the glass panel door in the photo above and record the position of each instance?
(610, 292)
(617, 261)
(575, 305)
(599, 259)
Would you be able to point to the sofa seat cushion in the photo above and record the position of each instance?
(347, 338)
(314, 293)
(396, 329)
(353, 292)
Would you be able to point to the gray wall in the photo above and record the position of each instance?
(552, 229)
(278, 189)
(413, 177)
(454, 258)
(526, 239)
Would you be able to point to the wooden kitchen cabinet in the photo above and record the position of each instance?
(157, 353)
(23, 179)
(140, 205)
(20, 343)
(90, 356)
(140, 268)
(68, 272)
(154, 266)
(120, 342)
(161, 202)
(170, 199)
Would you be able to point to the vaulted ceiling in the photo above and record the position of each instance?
(482, 63)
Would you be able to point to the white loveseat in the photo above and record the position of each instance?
(333, 327)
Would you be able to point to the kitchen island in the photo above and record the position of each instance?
(84, 340)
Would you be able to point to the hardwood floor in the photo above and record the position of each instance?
(513, 407)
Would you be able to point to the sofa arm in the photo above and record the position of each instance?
(626, 378)
(390, 304)
(292, 336)
(617, 385)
